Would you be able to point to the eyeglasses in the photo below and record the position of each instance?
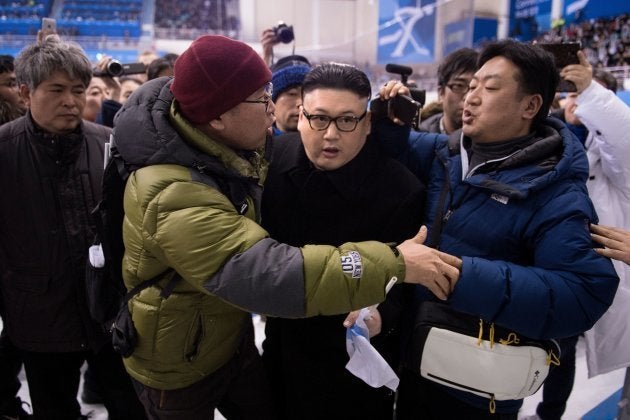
(344, 123)
(459, 88)
(268, 94)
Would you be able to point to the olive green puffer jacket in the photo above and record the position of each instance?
(228, 264)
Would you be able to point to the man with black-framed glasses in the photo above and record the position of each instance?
(454, 75)
(329, 183)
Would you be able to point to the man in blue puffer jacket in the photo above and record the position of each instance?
(514, 204)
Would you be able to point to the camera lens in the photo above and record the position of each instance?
(114, 68)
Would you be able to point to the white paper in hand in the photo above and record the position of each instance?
(365, 362)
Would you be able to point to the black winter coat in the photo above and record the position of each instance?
(49, 185)
(372, 197)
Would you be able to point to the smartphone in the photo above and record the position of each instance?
(405, 108)
(564, 54)
(49, 25)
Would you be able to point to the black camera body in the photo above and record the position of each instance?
(115, 69)
(563, 55)
(405, 108)
(284, 32)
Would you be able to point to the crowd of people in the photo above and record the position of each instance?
(605, 41)
(188, 20)
(267, 186)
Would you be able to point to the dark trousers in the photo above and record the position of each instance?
(53, 381)
(419, 398)
(10, 365)
(239, 389)
(559, 383)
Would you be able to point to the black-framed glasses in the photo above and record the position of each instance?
(344, 123)
(267, 95)
(459, 88)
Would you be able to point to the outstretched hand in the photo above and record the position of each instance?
(435, 270)
(616, 242)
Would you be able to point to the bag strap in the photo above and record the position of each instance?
(166, 291)
(438, 221)
(234, 191)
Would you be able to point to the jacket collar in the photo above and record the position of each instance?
(252, 166)
(347, 180)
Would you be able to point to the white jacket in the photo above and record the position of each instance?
(607, 119)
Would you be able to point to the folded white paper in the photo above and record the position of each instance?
(365, 362)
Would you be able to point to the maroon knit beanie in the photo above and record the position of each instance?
(214, 75)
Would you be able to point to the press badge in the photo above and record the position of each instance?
(352, 265)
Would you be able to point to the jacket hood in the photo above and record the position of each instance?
(149, 131)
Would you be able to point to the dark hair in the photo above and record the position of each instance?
(123, 79)
(337, 76)
(6, 64)
(537, 72)
(37, 62)
(171, 57)
(463, 60)
(157, 66)
(605, 78)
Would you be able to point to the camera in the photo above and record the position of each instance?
(563, 55)
(115, 68)
(283, 32)
(405, 108)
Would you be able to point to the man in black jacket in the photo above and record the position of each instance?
(318, 180)
(12, 106)
(51, 165)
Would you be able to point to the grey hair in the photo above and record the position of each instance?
(39, 61)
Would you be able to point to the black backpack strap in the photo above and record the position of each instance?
(166, 291)
(234, 190)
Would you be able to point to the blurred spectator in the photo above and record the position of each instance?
(128, 85)
(12, 105)
(159, 67)
(287, 77)
(96, 93)
(454, 75)
(192, 18)
(606, 41)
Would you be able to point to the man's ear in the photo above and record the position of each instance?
(532, 106)
(368, 121)
(217, 124)
(25, 93)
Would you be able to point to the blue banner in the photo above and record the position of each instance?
(528, 18)
(457, 35)
(580, 10)
(406, 31)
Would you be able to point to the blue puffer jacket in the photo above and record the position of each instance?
(522, 231)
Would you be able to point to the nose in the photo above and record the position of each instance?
(471, 97)
(332, 132)
(68, 99)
